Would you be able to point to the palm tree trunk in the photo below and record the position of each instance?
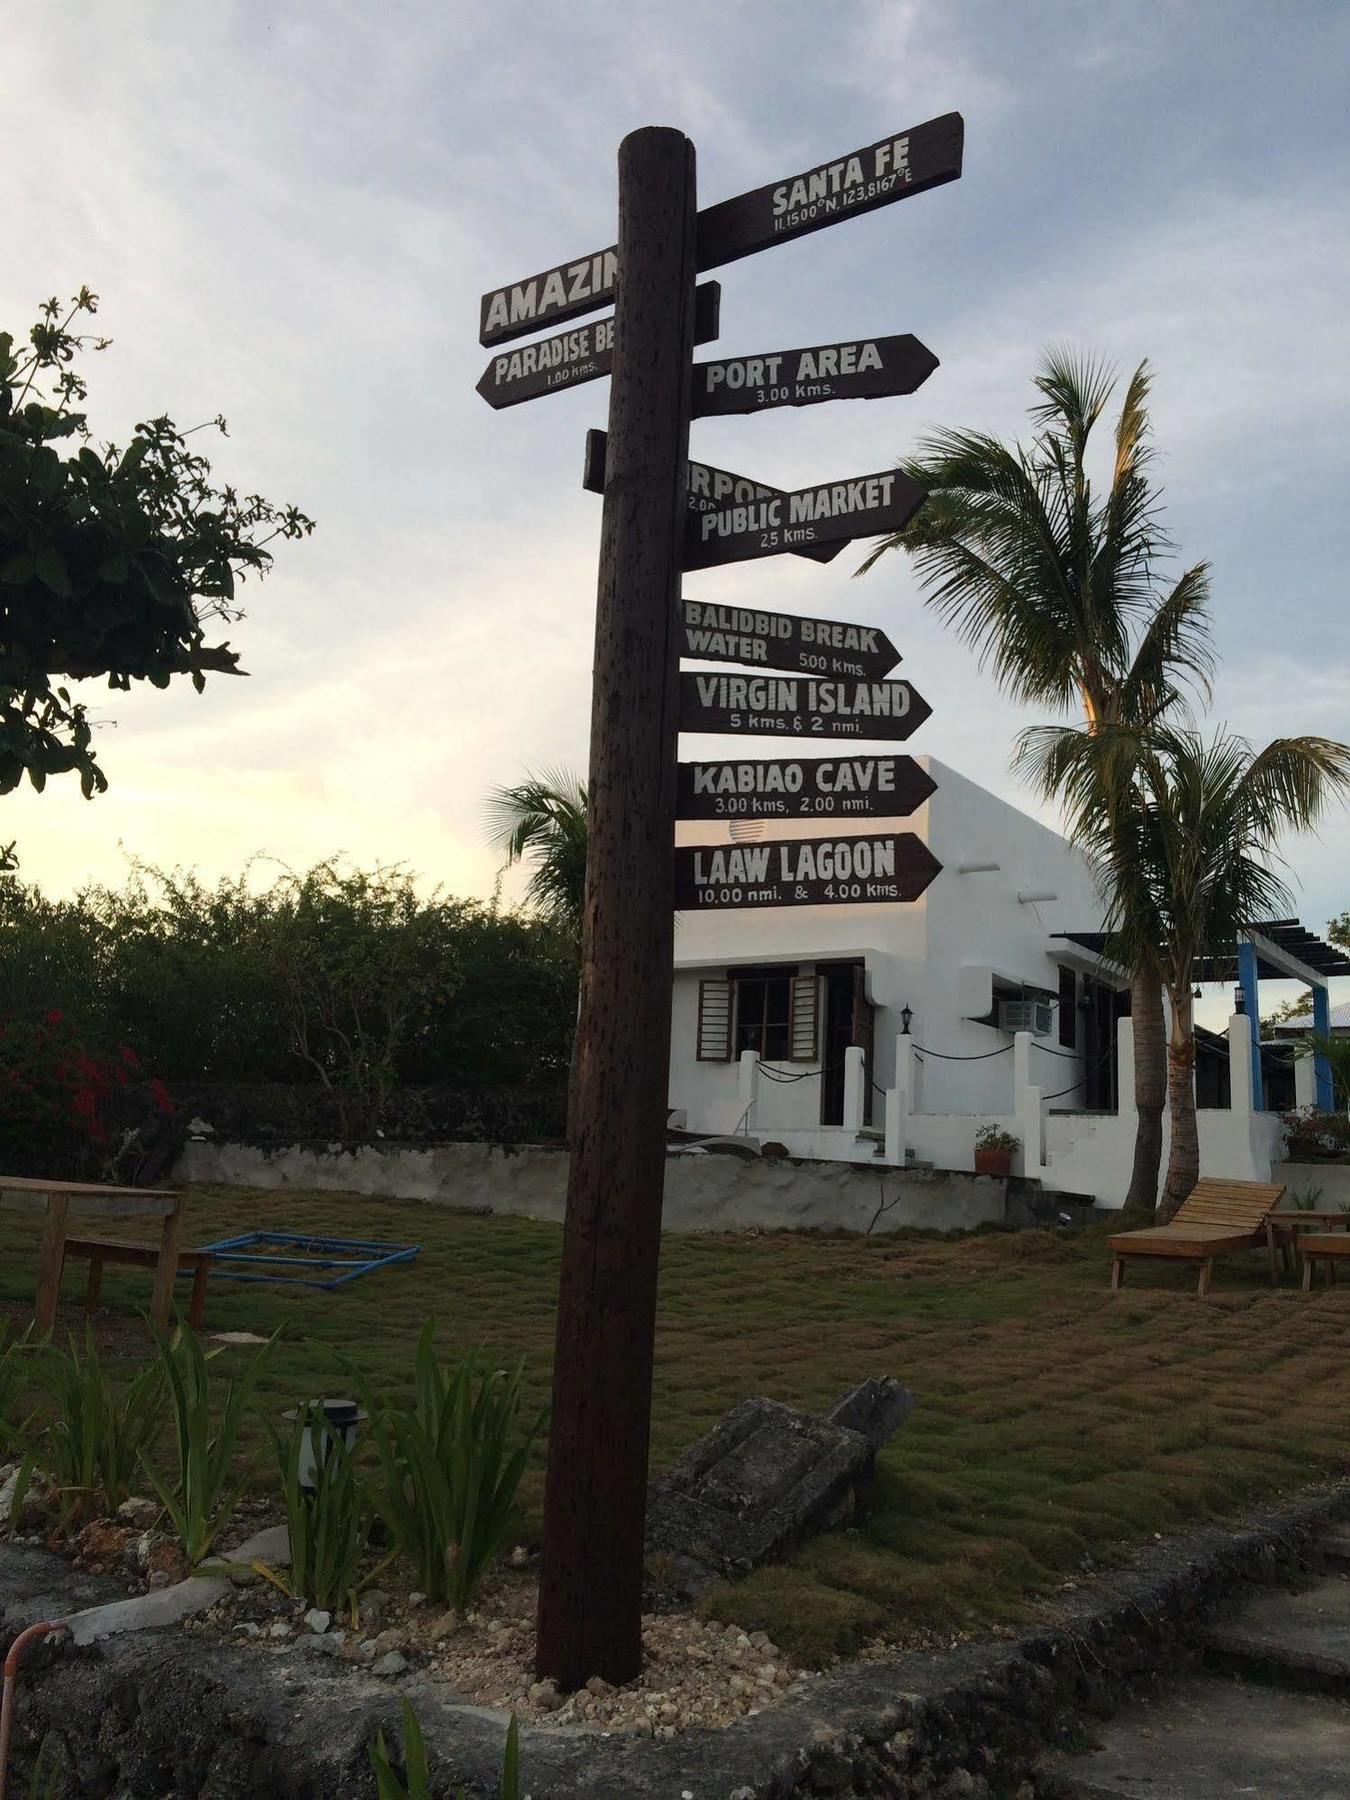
(1150, 1087)
(1183, 1160)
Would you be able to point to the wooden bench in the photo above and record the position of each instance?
(1215, 1218)
(59, 1201)
(140, 1256)
(1322, 1246)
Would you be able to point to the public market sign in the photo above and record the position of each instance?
(745, 634)
(584, 353)
(831, 512)
(802, 705)
(892, 169)
(864, 369)
(896, 866)
(801, 787)
(708, 490)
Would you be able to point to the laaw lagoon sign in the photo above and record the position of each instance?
(829, 512)
(896, 166)
(871, 870)
(866, 369)
(801, 787)
(804, 706)
(745, 634)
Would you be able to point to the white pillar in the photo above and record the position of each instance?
(1028, 1109)
(1125, 1107)
(747, 1076)
(899, 1102)
(1305, 1079)
(855, 1091)
(1240, 1064)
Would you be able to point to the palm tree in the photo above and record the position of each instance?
(543, 820)
(1183, 832)
(1054, 583)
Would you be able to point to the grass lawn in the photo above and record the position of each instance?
(1055, 1421)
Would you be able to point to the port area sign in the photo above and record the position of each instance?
(803, 787)
(747, 634)
(865, 369)
(829, 512)
(904, 163)
(894, 866)
(806, 706)
(708, 490)
(584, 353)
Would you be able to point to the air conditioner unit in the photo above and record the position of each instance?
(1025, 1015)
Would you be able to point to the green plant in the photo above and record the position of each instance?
(14, 1383)
(1312, 1136)
(994, 1137)
(1336, 1050)
(328, 1523)
(205, 1488)
(416, 1781)
(447, 1476)
(92, 1435)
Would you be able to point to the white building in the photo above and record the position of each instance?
(894, 1032)
(972, 959)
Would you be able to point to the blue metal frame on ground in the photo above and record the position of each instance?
(356, 1256)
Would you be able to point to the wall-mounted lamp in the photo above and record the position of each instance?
(343, 1417)
(1195, 992)
(906, 1014)
(1239, 1002)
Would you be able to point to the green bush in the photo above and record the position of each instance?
(415, 1783)
(447, 1475)
(206, 1486)
(91, 1437)
(330, 1524)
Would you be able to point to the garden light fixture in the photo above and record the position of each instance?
(343, 1417)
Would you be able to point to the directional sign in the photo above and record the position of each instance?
(832, 512)
(744, 634)
(865, 369)
(801, 787)
(891, 169)
(804, 872)
(582, 354)
(803, 705)
(708, 490)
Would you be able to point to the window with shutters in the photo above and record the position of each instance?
(764, 1015)
(714, 1021)
(805, 1033)
(1068, 1007)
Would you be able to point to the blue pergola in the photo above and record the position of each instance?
(1281, 949)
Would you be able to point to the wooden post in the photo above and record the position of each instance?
(595, 1496)
(166, 1266)
(51, 1261)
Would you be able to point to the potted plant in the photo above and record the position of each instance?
(994, 1150)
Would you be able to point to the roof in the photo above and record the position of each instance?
(1340, 1021)
(1220, 962)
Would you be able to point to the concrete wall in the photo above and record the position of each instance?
(1303, 1178)
(704, 1192)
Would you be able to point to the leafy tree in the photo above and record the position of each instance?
(542, 821)
(1187, 860)
(113, 562)
(1054, 582)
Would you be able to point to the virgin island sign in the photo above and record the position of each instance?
(800, 705)
(838, 871)
(865, 369)
(893, 168)
(803, 787)
(745, 634)
(830, 512)
(569, 358)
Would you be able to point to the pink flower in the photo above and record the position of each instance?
(161, 1096)
(54, 1017)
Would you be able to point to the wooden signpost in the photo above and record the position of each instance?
(569, 358)
(893, 168)
(866, 369)
(803, 787)
(708, 489)
(802, 705)
(843, 871)
(833, 511)
(662, 514)
(747, 634)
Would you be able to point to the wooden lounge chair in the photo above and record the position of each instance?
(1215, 1217)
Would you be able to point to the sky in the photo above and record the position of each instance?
(290, 211)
